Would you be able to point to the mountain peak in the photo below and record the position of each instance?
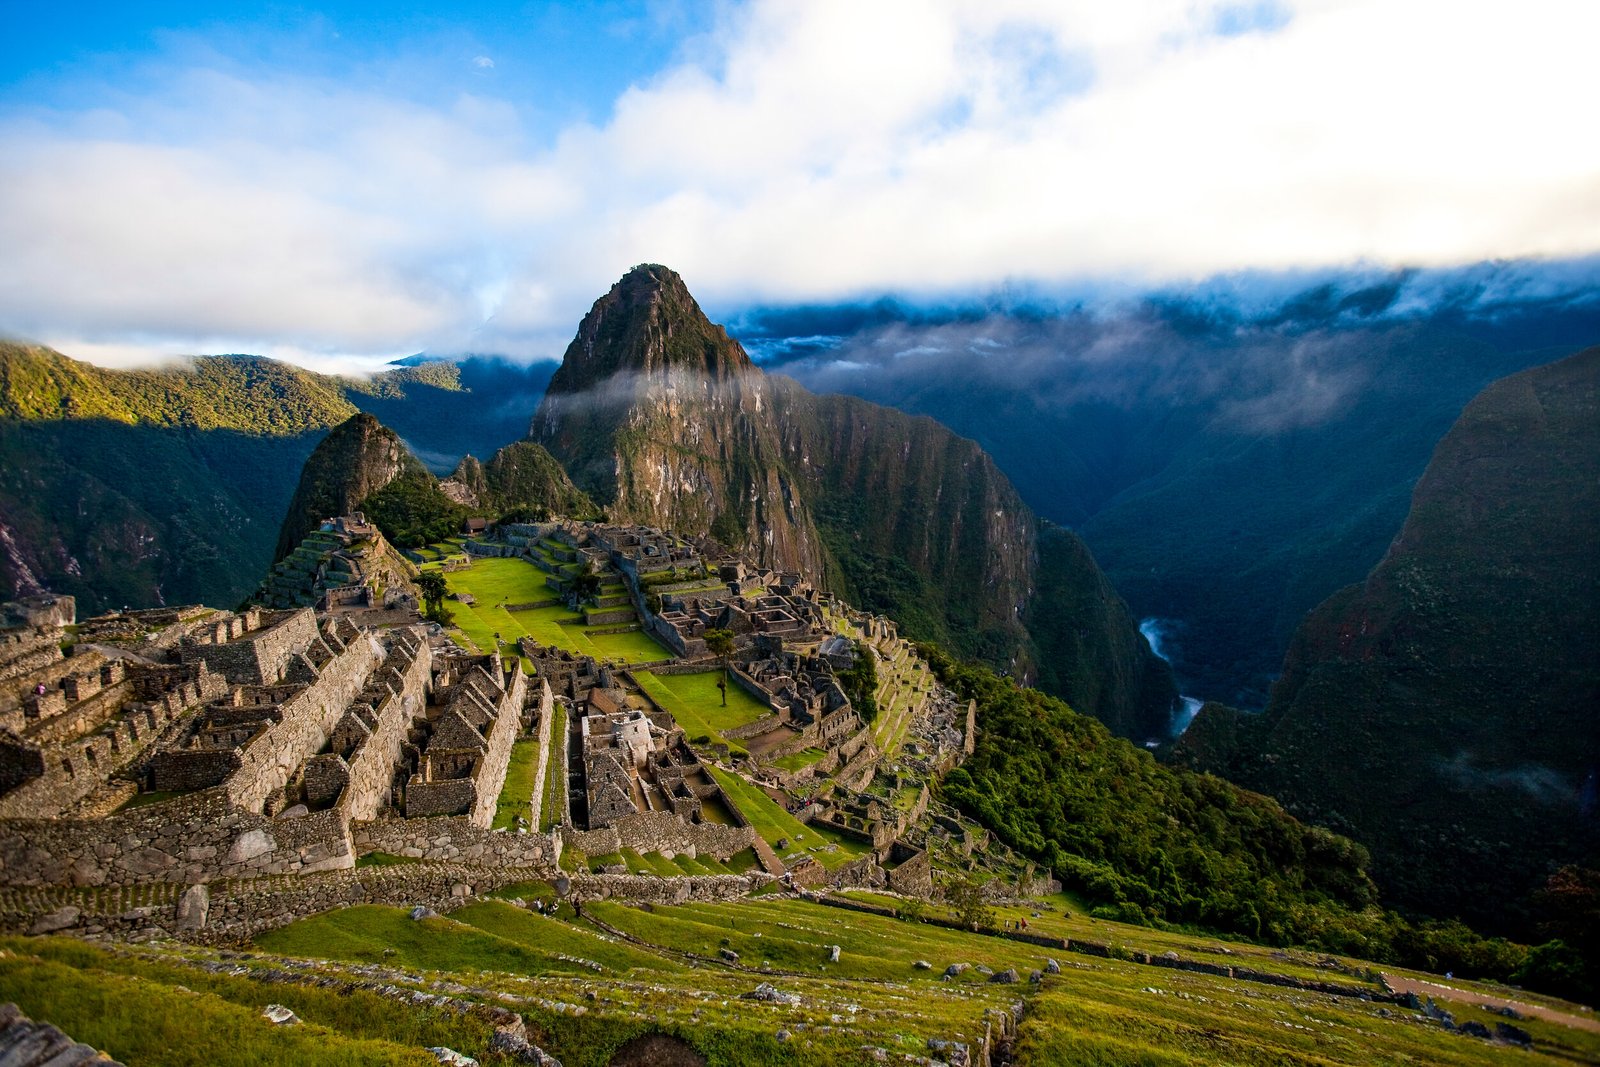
(647, 324)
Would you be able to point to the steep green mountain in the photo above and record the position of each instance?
(165, 485)
(359, 458)
(1444, 710)
(520, 475)
(663, 419)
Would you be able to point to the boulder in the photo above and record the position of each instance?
(955, 969)
(419, 913)
(923, 965)
(194, 907)
(451, 1058)
(1005, 977)
(60, 919)
(278, 1015)
(1513, 1035)
(833, 953)
(1052, 967)
(728, 954)
(771, 994)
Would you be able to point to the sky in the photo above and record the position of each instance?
(339, 184)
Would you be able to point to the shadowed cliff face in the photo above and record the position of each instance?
(1443, 711)
(358, 457)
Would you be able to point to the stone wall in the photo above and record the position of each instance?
(490, 778)
(542, 768)
(914, 875)
(660, 831)
(308, 719)
(372, 763)
(70, 770)
(197, 838)
(454, 838)
(651, 889)
(260, 657)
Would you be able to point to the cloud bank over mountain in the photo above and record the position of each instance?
(226, 194)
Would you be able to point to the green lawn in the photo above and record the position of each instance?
(798, 760)
(694, 700)
(551, 810)
(496, 582)
(773, 823)
(516, 796)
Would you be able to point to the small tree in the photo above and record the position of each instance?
(432, 586)
(965, 898)
(586, 586)
(720, 643)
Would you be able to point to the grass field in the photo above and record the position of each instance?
(516, 796)
(494, 583)
(773, 823)
(695, 701)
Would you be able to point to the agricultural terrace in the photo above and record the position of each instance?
(773, 823)
(496, 583)
(695, 701)
(586, 985)
(904, 683)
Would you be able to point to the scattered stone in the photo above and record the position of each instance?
(955, 969)
(278, 1015)
(955, 1053)
(420, 912)
(783, 1035)
(1169, 955)
(772, 994)
(923, 965)
(1052, 967)
(1513, 1035)
(451, 1058)
(833, 953)
(60, 919)
(728, 954)
(1035, 977)
(1473, 1028)
(1005, 977)
(985, 971)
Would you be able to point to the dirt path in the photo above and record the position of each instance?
(1396, 984)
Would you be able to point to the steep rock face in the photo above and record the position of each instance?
(661, 418)
(919, 522)
(1444, 711)
(1091, 652)
(358, 458)
(466, 484)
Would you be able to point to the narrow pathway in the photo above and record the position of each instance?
(1397, 984)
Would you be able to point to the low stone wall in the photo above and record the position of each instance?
(660, 831)
(198, 838)
(542, 767)
(754, 729)
(651, 889)
(453, 838)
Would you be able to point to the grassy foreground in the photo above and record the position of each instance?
(587, 985)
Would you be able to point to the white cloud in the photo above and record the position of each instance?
(483, 62)
(823, 150)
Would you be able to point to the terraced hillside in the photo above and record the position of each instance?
(614, 981)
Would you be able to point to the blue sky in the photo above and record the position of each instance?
(342, 183)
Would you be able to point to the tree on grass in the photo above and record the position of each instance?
(432, 586)
(965, 897)
(720, 644)
(586, 586)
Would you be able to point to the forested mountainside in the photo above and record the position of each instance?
(169, 485)
(1443, 711)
